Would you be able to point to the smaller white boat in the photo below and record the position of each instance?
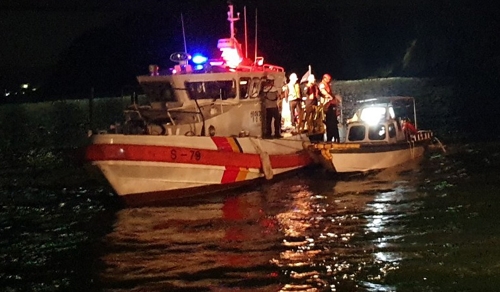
(379, 135)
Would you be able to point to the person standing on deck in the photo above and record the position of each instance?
(331, 120)
(286, 116)
(292, 95)
(331, 109)
(325, 88)
(270, 98)
(311, 92)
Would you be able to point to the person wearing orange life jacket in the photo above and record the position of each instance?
(331, 109)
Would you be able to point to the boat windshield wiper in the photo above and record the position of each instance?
(202, 133)
(193, 97)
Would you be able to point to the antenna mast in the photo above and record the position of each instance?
(246, 33)
(255, 34)
(183, 34)
(232, 19)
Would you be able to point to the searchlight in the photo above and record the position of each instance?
(373, 115)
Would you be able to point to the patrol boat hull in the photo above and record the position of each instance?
(144, 169)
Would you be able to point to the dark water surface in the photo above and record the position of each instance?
(428, 226)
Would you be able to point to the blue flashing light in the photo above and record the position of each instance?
(198, 67)
(199, 59)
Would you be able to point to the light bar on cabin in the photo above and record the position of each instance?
(199, 59)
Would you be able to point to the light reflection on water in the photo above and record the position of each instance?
(427, 228)
(288, 236)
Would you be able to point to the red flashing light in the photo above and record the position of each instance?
(259, 61)
(231, 52)
(231, 56)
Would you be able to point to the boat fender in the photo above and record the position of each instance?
(266, 165)
(265, 161)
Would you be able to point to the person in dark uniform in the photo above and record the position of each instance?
(270, 100)
(331, 120)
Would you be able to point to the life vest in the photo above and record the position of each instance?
(292, 92)
(409, 128)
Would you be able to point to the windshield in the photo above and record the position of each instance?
(159, 91)
(212, 89)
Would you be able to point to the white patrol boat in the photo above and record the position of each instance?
(202, 131)
(379, 135)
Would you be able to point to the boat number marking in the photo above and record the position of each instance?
(255, 116)
(192, 154)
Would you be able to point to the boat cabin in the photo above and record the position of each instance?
(189, 103)
(219, 97)
(379, 120)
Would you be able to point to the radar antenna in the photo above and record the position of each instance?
(232, 19)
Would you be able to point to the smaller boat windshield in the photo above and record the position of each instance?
(377, 133)
(218, 89)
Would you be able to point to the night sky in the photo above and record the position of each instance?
(72, 45)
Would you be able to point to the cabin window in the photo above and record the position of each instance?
(392, 130)
(249, 87)
(212, 89)
(245, 82)
(392, 114)
(377, 133)
(159, 91)
(357, 133)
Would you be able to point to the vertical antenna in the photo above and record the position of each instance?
(255, 34)
(246, 33)
(183, 34)
(232, 19)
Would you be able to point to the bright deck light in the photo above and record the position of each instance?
(372, 115)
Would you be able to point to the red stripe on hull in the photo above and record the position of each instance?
(291, 160)
(230, 174)
(97, 152)
(101, 152)
(223, 144)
